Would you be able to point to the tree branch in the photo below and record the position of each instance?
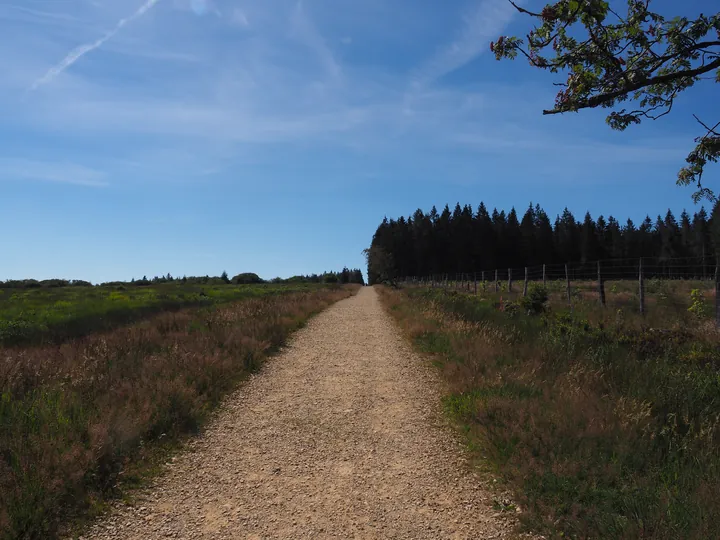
(709, 129)
(660, 79)
(523, 10)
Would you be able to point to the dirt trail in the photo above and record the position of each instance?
(339, 436)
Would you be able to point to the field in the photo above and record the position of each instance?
(666, 302)
(78, 414)
(51, 315)
(603, 422)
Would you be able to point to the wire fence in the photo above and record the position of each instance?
(641, 285)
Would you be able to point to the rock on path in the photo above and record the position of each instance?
(339, 436)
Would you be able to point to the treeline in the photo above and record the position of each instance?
(470, 240)
(344, 276)
(248, 278)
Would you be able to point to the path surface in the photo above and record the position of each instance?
(339, 436)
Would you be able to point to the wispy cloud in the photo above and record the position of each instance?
(81, 51)
(239, 18)
(22, 13)
(305, 31)
(485, 23)
(13, 169)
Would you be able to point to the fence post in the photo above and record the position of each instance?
(497, 286)
(601, 287)
(475, 276)
(717, 294)
(526, 282)
(482, 278)
(642, 289)
(567, 279)
(544, 279)
(509, 279)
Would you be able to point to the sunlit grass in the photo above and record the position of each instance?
(605, 424)
(45, 315)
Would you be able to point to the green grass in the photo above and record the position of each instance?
(52, 315)
(605, 426)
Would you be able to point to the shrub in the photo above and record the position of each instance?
(536, 299)
(247, 278)
(698, 306)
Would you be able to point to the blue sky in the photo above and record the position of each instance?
(193, 137)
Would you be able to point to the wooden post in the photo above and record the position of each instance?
(601, 287)
(567, 279)
(475, 276)
(642, 288)
(526, 282)
(544, 278)
(509, 279)
(482, 278)
(497, 285)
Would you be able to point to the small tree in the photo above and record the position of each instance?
(381, 266)
(611, 57)
(224, 277)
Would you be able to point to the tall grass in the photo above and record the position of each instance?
(605, 426)
(72, 415)
(52, 315)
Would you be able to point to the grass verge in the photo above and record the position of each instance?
(75, 416)
(604, 427)
(53, 315)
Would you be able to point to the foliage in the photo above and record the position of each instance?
(610, 58)
(698, 306)
(603, 427)
(444, 244)
(536, 299)
(73, 416)
(381, 264)
(247, 278)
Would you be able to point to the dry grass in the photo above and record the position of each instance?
(605, 426)
(72, 416)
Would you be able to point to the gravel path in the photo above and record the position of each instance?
(339, 436)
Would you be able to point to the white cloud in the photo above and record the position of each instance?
(62, 172)
(239, 18)
(304, 31)
(183, 102)
(81, 51)
(480, 27)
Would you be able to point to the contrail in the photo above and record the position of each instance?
(81, 51)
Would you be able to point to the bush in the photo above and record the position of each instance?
(536, 299)
(698, 307)
(246, 279)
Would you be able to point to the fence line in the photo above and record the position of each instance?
(599, 272)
